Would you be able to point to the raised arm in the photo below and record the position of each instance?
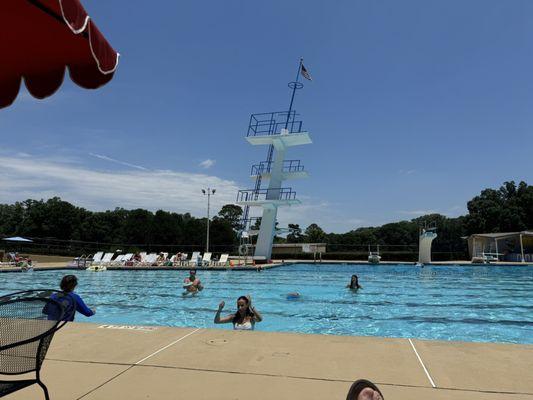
(223, 320)
(82, 307)
(257, 315)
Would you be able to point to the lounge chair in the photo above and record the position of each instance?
(10, 261)
(164, 261)
(137, 263)
(223, 260)
(181, 261)
(106, 259)
(206, 260)
(97, 257)
(80, 262)
(118, 260)
(143, 255)
(194, 258)
(150, 259)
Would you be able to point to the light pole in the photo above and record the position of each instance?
(208, 193)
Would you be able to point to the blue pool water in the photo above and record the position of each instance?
(470, 303)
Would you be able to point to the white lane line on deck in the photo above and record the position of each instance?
(167, 346)
(422, 363)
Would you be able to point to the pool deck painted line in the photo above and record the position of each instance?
(97, 362)
(422, 364)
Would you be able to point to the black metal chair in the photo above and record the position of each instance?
(28, 321)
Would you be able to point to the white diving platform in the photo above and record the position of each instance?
(268, 203)
(281, 140)
(284, 175)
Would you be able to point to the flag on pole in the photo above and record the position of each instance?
(305, 73)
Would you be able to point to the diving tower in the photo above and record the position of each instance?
(425, 239)
(279, 130)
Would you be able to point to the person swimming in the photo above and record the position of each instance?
(354, 283)
(293, 296)
(245, 317)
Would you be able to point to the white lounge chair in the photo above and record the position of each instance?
(118, 260)
(223, 259)
(7, 264)
(206, 260)
(137, 263)
(97, 257)
(194, 258)
(106, 259)
(150, 259)
(10, 260)
(127, 257)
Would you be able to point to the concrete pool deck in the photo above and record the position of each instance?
(97, 362)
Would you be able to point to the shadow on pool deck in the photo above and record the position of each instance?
(90, 361)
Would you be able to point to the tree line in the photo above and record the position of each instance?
(509, 208)
(60, 223)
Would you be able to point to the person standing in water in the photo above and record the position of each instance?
(192, 284)
(245, 317)
(354, 283)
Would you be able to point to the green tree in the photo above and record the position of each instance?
(222, 235)
(508, 209)
(232, 214)
(138, 227)
(295, 235)
(257, 224)
(314, 234)
(166, 228)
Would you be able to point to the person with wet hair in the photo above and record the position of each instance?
(245, 317)
(70, 300)
(354, 283)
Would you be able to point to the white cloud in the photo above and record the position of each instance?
(207, 163)
(406, 171)
(102, 157)
(30, 177)
(36, 178)
(419, 212)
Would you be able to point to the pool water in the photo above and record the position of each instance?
(469, 303)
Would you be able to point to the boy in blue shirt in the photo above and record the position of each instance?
(70, 300)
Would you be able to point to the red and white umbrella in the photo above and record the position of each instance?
(40, 38)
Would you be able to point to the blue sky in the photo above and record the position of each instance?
(415, 107)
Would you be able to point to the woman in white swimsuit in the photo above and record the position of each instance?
(245, 317)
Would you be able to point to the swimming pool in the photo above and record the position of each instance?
(469, 303)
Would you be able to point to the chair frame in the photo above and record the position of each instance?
(23, 383)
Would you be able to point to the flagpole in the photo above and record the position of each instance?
(294, 87)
